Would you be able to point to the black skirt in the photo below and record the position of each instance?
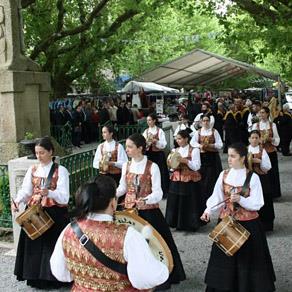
(156, 219)
(210, 170)
(33, 256)
(249, 270)
(184, 206)
(274, 175)
(159, 158)
(267, 213)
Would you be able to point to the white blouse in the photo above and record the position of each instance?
(60, 194)
(144, 270)
(266, 162)
(139, 168)
(266, 126)
(195, 163)
(179, 128)
(236, 178)
(161, 143)
(109, 147)
(207, 132)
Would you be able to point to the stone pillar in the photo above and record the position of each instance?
(17, 169)
(24, 90)
(24, 99)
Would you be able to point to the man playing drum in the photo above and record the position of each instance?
(96, 203)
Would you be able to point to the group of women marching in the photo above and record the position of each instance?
(194, 189)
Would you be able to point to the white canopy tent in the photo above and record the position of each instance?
(201, 68)
(135, 86)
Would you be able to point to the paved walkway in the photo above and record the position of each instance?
(195, 247)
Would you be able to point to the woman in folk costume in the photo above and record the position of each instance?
(110, 155)
(48, 184)
(141, 183)
(209, 142)
(184, 202)
(270, 140)
(250, 268)
(95, 206)
(260, 163)
(156, 143)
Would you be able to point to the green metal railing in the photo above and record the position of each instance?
(63, 134)
(5, 211)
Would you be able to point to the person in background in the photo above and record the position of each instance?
(33, 256)
(95, 206)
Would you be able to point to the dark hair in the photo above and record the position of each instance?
(184, 134)
(257, 102)
(138, 140)
(241, 149)
(153, 116)
(111, 129)
(46, 143)
(205, 116)
(255, 132)
(94, 196)
(266, 109)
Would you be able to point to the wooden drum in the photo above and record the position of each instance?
(229, 235)
(34, 221)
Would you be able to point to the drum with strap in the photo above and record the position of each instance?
(173, 160)
(34, 221)
(156, 243)
(229, 235)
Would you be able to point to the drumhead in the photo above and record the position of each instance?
(156, 243)
(173, 160)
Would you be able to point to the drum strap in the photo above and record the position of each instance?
(96, 252)
(50, 175)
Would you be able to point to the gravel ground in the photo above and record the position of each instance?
(195, 247)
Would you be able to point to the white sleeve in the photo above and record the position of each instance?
(266, 162)
(97, 157)
(145, 134)
(195, 163)
(249, 122)
(122, 157)
(218, 141)
(212, 121)
(256, 199)
(161, 143)
(197, 118)
(217, 196)
(144, 270)
(26, 189)
(276, 138)
(157, 193)
(195, 140)
(58, 262)
(61, 194)
(122, 188)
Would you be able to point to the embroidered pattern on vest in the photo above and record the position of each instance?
(183, 173)
(114, 157)
(156, 136)
(240, 214)
(88, 273)
(206, 140)
(268, 146)
(141, 191)
(36, 183)
(257, 166)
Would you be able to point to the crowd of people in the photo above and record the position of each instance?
(139, 176)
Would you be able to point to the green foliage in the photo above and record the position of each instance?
(5, 211)
(29, 136)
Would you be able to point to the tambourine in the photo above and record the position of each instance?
(173, 160)
(156, 243)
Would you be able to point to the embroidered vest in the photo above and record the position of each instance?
(156, 136)
(268, 146)
(183, 173)
(256, 167)
(206, 140)
(88, 273)
(114, 157)
(36, 185)
(240, 214)
(141, 191)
